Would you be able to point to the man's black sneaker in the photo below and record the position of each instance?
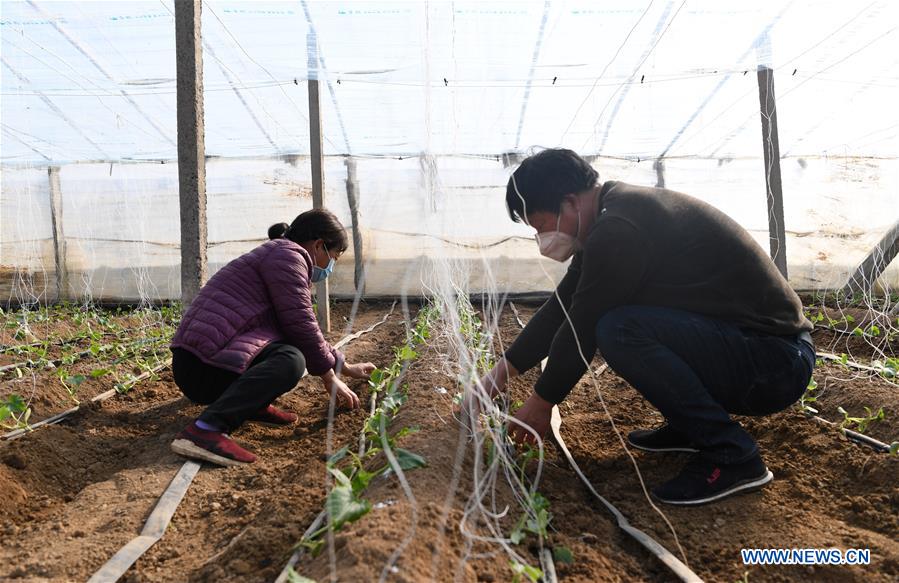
(662, 439)
(702, 481)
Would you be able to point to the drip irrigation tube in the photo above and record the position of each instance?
(855, 435)
(849, 363)
(284, 575)
(549, 568)
(664, 555)
(17, 433)
(158, 522)
(153, 530)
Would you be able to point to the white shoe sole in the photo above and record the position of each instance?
(661, 449)
(749, 486)
(187, 448)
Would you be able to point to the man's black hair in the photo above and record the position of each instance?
(543, 180)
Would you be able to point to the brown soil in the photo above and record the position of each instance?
(854, 389)
(41, 387)
(828, 492)
(73, 494)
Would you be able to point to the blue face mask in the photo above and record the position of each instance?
(321, 274)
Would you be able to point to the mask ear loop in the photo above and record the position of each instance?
(602, 401)
(327, 253)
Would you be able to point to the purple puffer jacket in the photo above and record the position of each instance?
(261, 297)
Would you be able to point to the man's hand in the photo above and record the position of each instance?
(494, 382)
(361, 370)
(536, 413)
(336, 387)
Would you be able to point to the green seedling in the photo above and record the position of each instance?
(294, 577)
(99, 372)
(530, 453)
(520, 570)
(534, 521)
(14, 412)
(894, 448)
(71, 383)
(809, 397)
(861, 423)
(889, 368)
(563, 555)
(344, 502)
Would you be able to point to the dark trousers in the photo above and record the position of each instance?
(233, 398)
(696, 370)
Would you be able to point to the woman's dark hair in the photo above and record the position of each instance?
(542, 181)
(312, 225)
(277, 230)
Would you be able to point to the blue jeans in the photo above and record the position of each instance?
(696, 370)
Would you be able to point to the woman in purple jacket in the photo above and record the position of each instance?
(251, 333)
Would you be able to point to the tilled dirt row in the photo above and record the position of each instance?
(73, 494)
(827, 492)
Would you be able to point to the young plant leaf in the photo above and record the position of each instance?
(362, 478)
(563, 555)
(294, 577)
(338, 455)
(406, 353)
(408, 460)
(344, 507)
(532, 573)
(518, 533)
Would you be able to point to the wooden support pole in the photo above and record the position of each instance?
(191, 148)
(777, 236)
(318, 179)
(863, 278)
(59, 240)
(659, 167)
(352, 195)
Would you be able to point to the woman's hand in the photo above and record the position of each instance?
(360, 370)
(337, 388)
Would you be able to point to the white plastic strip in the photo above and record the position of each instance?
(154, 528)
(672, 562)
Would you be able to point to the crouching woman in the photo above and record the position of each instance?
(251, 333)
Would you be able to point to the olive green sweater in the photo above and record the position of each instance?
(654, 247)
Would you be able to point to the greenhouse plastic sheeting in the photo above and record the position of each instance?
(429, 96)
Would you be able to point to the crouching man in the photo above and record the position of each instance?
(679, 300)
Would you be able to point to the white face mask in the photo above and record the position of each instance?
(557, 244)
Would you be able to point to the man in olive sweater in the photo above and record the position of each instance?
(679, 300)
